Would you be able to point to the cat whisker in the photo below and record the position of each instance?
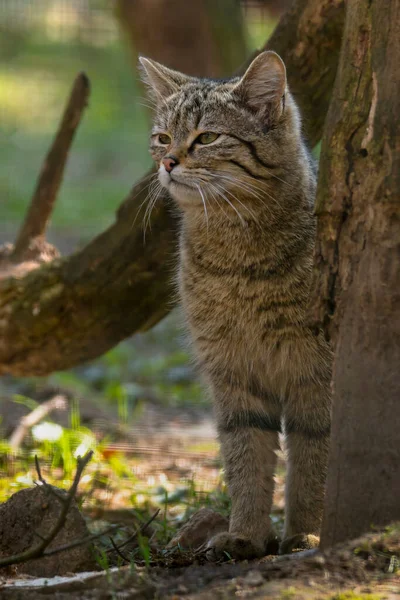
(281, 180)
(153, 193)
(256, 190)
(150, 177)
(149, 209)
(215, 198)
(263, 189)
(145, 105)
(204, 203)
(147, 99)
(243, 186)
(221, 192)
(251, 213)
(237, 182)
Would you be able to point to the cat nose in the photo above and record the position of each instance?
(169, 163)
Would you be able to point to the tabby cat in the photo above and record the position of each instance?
(231, 155)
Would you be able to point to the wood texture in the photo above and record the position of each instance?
(357, 272)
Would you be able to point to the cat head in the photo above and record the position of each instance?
(221, 139)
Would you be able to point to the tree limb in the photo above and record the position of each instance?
(75, 309)
(44, 197)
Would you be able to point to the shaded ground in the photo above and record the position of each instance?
(361, 570)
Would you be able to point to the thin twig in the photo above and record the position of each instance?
(38, 470)
(58, 402)
(52, 490)
(82, 541)
(118, 551)
(51, 175)
(140, 530)
(66, 501)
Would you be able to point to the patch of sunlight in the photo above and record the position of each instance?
(259, 31)
(46, 431)
(350, 595)
(207, 446)
(31, 100)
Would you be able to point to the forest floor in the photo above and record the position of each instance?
(171, 462)
(364, 569)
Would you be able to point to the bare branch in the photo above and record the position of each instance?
(118, 551)
(51, 175)
(82, 541)
(66, 501)
(58, 402)
(139, 531)
(38, 470)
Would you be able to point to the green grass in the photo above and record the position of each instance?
(354, 596)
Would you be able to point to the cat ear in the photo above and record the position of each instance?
(263, 85)
(162, 80)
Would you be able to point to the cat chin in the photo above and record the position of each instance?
(184, 195)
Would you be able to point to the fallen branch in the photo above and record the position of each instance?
(36, 220)
(38, 414)
(39, 550)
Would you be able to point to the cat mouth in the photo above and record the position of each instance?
(177, 182)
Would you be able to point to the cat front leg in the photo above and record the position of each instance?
(307, 428)
(248, 430)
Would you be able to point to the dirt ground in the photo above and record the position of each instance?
(364, 569)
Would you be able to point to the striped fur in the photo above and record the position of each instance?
(246, 244)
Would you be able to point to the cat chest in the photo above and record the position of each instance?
(219, 303)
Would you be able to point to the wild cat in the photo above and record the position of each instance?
(231, 155)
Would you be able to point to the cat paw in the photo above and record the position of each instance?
(300, 541)
(226, 546)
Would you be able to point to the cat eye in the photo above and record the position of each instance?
(207, 137)
(164, 139)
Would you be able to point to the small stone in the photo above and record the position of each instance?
(254, 578)
(182, 589)
(319, 560)
(202, 526)
(37, 510)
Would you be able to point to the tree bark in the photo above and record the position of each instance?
(357, 290)
(34, 227)
(77, 308)
(308, 39)
(201, 37)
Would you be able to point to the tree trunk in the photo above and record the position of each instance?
(204, 38)
(357, 291)
(308, 39)
(75, 309)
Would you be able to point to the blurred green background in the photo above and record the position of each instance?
(43, 45)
